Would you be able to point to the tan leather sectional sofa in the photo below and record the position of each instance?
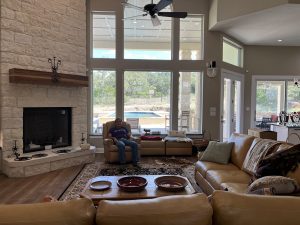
(213, 176)
(224, 208)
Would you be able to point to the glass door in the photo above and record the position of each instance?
(231, 104)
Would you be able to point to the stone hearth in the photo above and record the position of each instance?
(53, 161)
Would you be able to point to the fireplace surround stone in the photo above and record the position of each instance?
(29, 36)
(51, 162)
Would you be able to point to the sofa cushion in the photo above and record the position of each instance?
(280, 185)
(240, 209)
(218, 152)
(171, 210)
(217, 177)
(203, 167)
(73, 212)
(242, 143)
(235, 187)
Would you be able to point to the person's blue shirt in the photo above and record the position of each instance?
(119, 133)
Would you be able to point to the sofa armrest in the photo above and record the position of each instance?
(136, 139)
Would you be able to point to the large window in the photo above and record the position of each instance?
(232, 53)
(142, 40)
(147, 99)
(104, 35)
(104, 98)
(191, 38)
(136, 74)
(190, 101)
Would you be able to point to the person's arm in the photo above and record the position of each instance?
(128, 134)
(115, 140)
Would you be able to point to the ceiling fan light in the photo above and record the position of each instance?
(155, 21)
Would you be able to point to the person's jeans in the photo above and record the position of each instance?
(134, 149)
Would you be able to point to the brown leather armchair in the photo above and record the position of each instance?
(111, 152)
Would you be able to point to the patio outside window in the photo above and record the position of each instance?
(104, 35)
(135, 72)
(191, 38)
(104, 98)
(142, 40)
(190, 101)
(147, 99)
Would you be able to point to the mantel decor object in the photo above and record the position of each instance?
(54, 67)
(15, 151)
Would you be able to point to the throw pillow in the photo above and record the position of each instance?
(278, 184)
(218, 152)
(262, 191)
(258, 150)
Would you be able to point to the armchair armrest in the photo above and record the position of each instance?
(108, 141)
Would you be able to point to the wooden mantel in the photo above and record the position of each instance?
(45, 78)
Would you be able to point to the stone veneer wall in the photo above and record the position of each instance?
(31, 32)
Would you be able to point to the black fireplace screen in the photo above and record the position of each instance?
(46, 128)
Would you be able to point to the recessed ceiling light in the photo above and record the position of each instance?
(134, 21)
(279, 40)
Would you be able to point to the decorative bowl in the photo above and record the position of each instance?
(100, 185)
(132, 183)
(23, 158)
(171, 183)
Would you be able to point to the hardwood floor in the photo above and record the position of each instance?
(33, 189)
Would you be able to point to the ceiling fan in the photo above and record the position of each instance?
(154, 10)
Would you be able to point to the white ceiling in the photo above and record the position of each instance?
(266, 27)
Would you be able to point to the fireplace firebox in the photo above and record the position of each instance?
(46, 128)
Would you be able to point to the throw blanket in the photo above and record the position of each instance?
(279, 163)
(257, 153)
(178, 139)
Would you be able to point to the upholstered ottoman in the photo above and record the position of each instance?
(155, 147)
(178, 148)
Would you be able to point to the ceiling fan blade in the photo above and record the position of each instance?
(173, 14)
(125, 4)
(131, 17)
(161, 5)
(155, 21)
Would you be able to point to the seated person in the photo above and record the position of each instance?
(121, 137)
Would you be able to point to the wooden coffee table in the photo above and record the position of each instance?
(115, 193)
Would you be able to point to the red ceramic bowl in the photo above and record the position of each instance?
(132, 183)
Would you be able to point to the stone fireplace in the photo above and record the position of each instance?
(29, 36)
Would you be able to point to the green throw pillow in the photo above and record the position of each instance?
(218, 152)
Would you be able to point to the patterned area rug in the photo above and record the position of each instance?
(148, 166)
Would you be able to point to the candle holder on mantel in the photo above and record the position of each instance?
(54, 67)
(15, 151)
(84, 145)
